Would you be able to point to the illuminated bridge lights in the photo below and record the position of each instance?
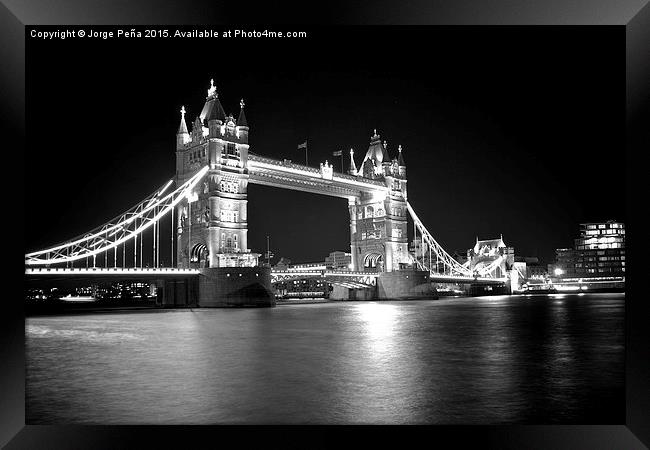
(383, 187)
(110, 271)
(121, 229)
(344, 278)
(131, 224)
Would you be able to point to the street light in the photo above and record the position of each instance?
(558, 271)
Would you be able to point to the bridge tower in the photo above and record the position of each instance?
(212, 228)
(378, 221)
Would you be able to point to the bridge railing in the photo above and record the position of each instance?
(353, 278)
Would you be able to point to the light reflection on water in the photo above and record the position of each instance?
(484, 360)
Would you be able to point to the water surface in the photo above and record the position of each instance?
(517, 359)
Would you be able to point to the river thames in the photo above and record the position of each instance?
(489, 360)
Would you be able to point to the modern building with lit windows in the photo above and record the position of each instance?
(599, 251)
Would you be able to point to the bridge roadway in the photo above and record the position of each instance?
(341, 277)
(111, 271)
(370, 278)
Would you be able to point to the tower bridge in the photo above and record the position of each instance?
(208, 214)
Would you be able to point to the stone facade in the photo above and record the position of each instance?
(378, 233)
(405, 284)
(235, 286)
(212, 227)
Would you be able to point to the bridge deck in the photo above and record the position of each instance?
(355, 277)
(162, 271)
(289, 175)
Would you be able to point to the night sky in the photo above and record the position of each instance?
(508, 130)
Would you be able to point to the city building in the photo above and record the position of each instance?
(338, 260)
(599, 251)
(283, 264)
(534, 270)
(308, 266)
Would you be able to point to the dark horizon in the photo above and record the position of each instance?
(505, 130)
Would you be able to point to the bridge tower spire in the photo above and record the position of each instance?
(352, 170)
(242, 123)
(182, 135)
(385, 162)
(400, 162)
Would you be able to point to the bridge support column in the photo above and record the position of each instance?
(402, 284)
(344, 293)
(178, 293)
(221, 287)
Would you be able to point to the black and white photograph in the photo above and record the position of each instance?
(325, 225)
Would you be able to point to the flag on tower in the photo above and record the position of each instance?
(301, 146)
(339, 153)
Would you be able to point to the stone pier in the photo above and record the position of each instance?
(235, 286)
(404, 284)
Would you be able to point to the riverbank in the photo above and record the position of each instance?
(304, 301)
(96, 307)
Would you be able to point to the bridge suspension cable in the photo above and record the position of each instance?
(129, 225)
(450, 265)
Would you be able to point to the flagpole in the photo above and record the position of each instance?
(304, 145)
(339, 153)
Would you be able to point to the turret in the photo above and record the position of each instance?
(385, 162)
(213, 112)
(371, 167)
(352, 170)
(197, 130)
(401, 163)
(242, 124)
(182, 135)
(230, 129)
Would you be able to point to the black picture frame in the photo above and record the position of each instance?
(633, 15)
